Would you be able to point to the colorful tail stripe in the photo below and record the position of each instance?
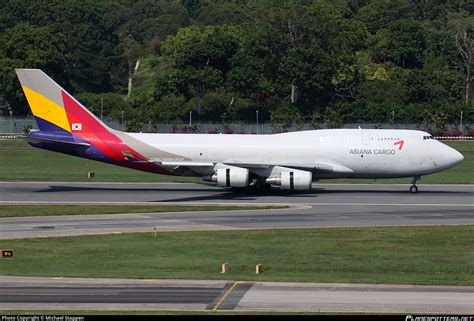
(58, 114)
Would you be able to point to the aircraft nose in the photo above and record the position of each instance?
(445, 157)
(455, 157)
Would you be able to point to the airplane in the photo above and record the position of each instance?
(290, 160)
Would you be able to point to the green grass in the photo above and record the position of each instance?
(410, 255)
(144, 80)
(21, 162)
(46, 210)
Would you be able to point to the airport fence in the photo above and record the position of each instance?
(18, 125)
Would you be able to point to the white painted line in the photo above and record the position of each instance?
(389, 204)
(387, 185)
(290, 205)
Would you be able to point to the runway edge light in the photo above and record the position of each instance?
(6, 254)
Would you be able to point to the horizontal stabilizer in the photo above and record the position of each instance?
(35, 140)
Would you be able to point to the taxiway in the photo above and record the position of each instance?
(324, 206)
(33, 293)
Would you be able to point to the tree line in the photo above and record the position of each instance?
(317, 61)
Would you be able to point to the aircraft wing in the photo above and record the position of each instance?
(186, 163)
(186, 168)
(323, 167)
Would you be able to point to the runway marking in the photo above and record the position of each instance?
(391, 204)
(226, 294)
(290, 205)
(375, 184)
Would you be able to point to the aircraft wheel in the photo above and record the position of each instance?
(413, 189)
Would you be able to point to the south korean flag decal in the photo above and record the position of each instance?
(76, 126)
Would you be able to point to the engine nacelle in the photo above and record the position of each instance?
(292, 180)
(232, 176)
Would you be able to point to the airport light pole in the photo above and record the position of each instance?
(101, 107)
(257, 121)
(122, 121)
(11, 113)
(190, 117)
(460, 125)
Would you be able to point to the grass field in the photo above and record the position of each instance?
(413, 255)
(46, 210)
(21, 162)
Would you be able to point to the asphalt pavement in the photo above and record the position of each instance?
(324, 206)
(30, 293)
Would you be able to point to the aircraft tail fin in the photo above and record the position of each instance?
(54, 109)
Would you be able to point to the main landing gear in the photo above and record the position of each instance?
(258, 186)
(413, 188)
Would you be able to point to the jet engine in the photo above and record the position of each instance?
(231, 176)
(292, 180)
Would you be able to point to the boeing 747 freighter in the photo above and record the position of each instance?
(291, 161)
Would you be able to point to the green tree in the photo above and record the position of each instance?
(170, 109)
(220, 14)
(25, 46)
(332, 119)
(403, 43)
(284, 117)
(202, 58)
(462, 25)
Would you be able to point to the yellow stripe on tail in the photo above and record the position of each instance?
(46, 109)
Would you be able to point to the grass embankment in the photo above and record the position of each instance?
(70, 209)
(412, 255)
(21, 162)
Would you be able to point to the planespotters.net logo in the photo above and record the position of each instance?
(439, 318)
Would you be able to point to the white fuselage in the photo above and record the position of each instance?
(335, 152)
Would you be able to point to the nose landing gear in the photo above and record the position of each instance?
(413, 188)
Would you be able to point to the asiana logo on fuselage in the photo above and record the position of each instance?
(364, 151)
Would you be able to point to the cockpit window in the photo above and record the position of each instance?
(428, 137)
